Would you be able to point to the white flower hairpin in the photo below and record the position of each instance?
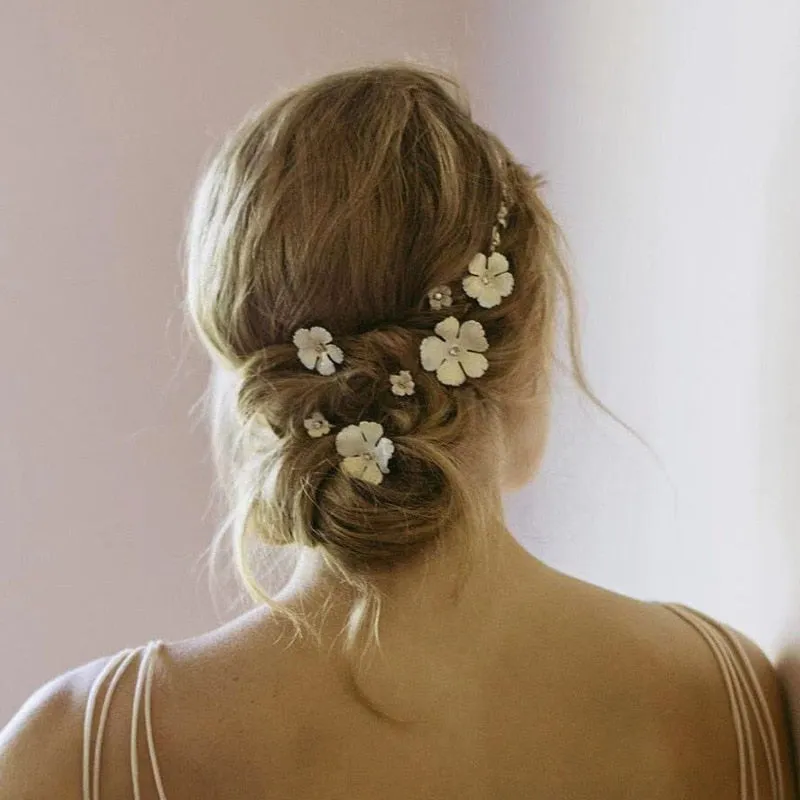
(316, 350)
(440, 297)
(402, 384)
(317, 425)
(365, 451)
(456, 351)
(489, 280)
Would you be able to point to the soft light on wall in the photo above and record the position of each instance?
(669, 132)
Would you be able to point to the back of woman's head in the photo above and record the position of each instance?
(356, 204)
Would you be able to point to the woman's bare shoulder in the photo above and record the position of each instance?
(710, 706)
(676, 678)
(701, 729)
(41, 746)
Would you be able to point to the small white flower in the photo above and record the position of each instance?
(365, 451)
(489, 280)
(457, 353)
(402, 384)
(317, 425)
(316, 351)
(440, 297)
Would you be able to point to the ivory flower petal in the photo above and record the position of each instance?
(496, 264)
(433, 352)
(384, 450)
(354, 466)
(450, 373)
(372, 473)
(474, 364)
(473, 337)
(350, 441)
(448, 328)
(372, 432)
(304, 339)
(309, 357)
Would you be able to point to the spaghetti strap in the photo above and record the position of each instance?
(747, 703)
(118, 665)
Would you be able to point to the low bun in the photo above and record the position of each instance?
(360, 525)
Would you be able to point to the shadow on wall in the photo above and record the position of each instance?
(789, 671)
(780, 364)
(780, 405)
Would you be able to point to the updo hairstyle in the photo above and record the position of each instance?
(342, 205)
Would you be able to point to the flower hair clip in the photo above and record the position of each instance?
(316, 350)
(489, 280)
(317, 426)
(365, 451)
(456, 351)
(440, 297)
(402, 384)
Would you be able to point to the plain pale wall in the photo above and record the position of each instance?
(670, 134)
(109, 108)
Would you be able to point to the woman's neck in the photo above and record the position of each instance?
(436, 601)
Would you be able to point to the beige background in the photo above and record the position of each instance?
(108, 110)
(669, 131)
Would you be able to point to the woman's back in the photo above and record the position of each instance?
(584, 694)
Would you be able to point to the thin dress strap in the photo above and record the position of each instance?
(118, 665)
(747, 703)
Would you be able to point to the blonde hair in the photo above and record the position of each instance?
(341, 205)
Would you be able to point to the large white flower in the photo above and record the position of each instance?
(456, 351)
(489, 280)
(316, 351)
(365, 451)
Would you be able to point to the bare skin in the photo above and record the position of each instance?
(537, 685)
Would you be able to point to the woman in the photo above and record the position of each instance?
(377, 281)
